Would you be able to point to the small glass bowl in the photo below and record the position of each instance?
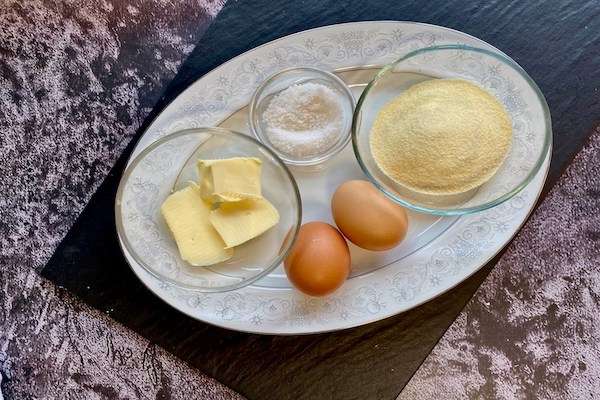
(168, 165)
(281, 81)
(499, 75)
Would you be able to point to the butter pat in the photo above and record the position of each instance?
(238, 222)
(187, 216)
(231, 179)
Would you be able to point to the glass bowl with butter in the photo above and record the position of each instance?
(207, 209)
(451, 130)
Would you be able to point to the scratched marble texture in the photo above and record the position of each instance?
(53, 347)
(77, 78)
(532, 330)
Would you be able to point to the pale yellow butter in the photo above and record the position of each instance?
(237, 222)
(231, 179)
(187, 216)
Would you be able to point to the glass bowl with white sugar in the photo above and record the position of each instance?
(303, 114)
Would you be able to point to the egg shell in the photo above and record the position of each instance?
(367, 217)
(319, 261)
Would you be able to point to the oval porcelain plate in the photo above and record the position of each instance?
(438, 253)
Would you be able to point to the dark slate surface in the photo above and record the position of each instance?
(556, 42)
(76, 80)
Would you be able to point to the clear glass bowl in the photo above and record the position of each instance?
(499, 75)
(281, 81)
(168, 165)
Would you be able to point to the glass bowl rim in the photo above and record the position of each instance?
(256, 131)
(466, 210)
(134, 162)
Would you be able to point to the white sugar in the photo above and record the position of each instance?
(305, 120)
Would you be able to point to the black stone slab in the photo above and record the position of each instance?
(556, 42)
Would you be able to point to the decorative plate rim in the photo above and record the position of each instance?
(181, 302)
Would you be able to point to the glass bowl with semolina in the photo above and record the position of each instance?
(451, 130)
(207, 209)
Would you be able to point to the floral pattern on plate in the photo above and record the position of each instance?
(434, 269)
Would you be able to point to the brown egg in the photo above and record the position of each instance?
(367, 217)
(319, 261)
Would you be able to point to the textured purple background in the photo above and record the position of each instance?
(532, 330)
(53, 347)
(76, 80)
